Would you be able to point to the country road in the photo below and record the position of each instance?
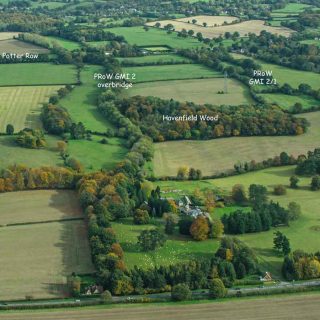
(282, 308)
(198, 295)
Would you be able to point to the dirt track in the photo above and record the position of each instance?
(289, 308)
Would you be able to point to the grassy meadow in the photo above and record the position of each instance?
(32, 74)
(171, 72)
(303, 233)
(81, 102)
(155, 37)
(176, 249)
(287, 75)
(50, 4)
(286, 101)
(66, 44)
(12, 154)
(199, 91)
(153, 59)
(94, 155)
(213, 156)
(21, 106)
(313, 42)
(37, 258)
(292, 8)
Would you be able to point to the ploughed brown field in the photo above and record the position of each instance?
(293, 308)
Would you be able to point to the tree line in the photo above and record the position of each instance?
(301, 266)
(18, 177)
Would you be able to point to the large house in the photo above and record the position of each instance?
(187, 208)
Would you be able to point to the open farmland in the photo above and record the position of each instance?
(154, 59)
(211, 21)
(286, 101)
(20, 47)
(303, 233)
(177, 248)
(218, 155)
(49, 4)
(314, 42)
(95, 155)
(21, 106)
(281, 307)
(155, 37)
(29, 74)
(200, 91)
(66, 44)
(292, 8)
(12, 154)
(58, 204)
(244, 28)
(37, 257)
(287, 75)
(7, 35)
(171, 72)
(81, 102)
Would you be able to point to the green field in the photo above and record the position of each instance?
(81, 102)
(36, 258)
(157, 49)
(287, 75)
(218, 155)
(276, 22)
(97, 43)
(302, 233)
(199, 91)
(153, 59)
(286, 102)
(31, 74)
(314, 42)
(50, 4)
(21, 106)
(20, 47)
(95, 155)
(92, 154)
(176, 249)
(171, 72)
(64, 43)
(155, 37)
(292, 8)
(12, 154)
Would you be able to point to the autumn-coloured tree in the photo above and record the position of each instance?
(209, 201)
(62, 147)
(117, 250)
(141, 217)
(217, 229)
(74, 164)
(199, 229)
(217, 289)
(183, 173)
